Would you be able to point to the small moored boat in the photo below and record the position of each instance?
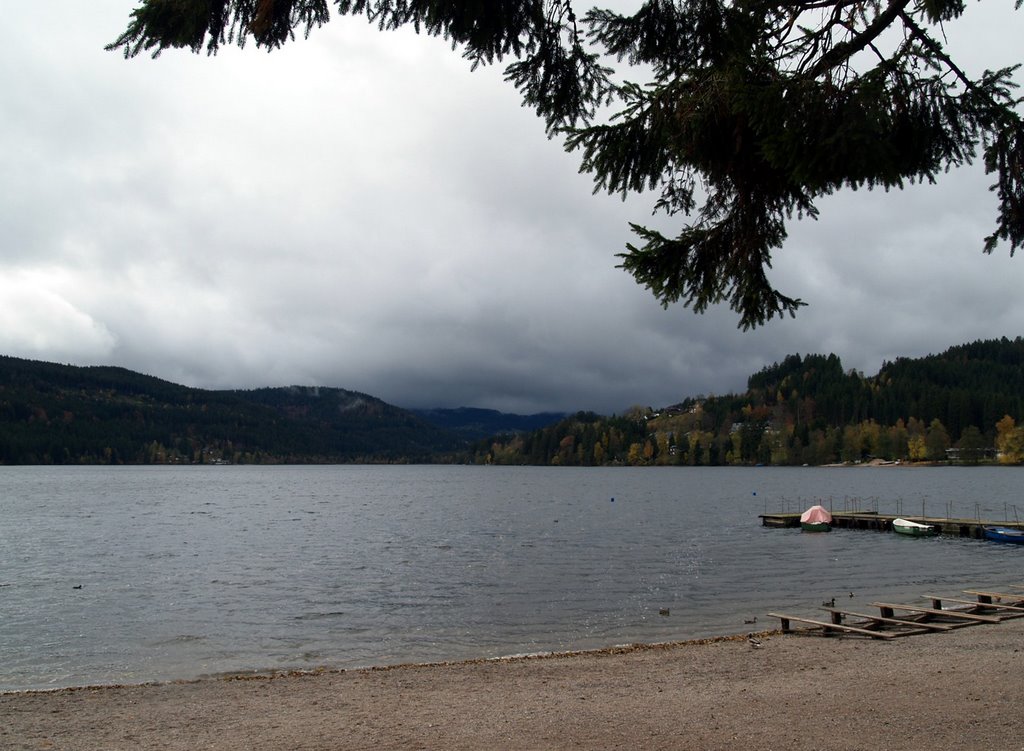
(816, 519)
(913, 529)
(1004, 534)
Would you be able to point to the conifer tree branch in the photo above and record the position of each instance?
(765, 104)
(936, 49)
(845, 50)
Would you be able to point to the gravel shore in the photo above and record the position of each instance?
(960, 689)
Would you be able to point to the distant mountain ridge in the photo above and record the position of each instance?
(474, 424)
(802, 410)
(61, 414)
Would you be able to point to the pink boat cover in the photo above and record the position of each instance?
(816, 515)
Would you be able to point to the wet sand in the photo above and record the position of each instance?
(960, 689)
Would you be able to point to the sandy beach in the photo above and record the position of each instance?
(960, 689)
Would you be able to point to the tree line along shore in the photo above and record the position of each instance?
(965, 405)
(961, 406)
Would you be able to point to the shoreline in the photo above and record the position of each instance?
(951, 690)
(272, 674)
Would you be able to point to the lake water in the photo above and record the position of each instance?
(132, 574)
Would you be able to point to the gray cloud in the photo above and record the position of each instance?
(361, 210)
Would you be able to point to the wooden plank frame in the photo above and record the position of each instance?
(1015, 611)
(990, 607)
(988, 598)
(829, 627)
(921, 626)
(887, 609)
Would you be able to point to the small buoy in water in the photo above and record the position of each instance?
(613, 499)
(663, 611)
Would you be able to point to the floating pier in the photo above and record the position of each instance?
(988, 607)
(872, 520)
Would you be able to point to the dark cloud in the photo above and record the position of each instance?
(361, 210)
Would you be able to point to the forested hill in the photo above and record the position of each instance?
(809, 410)
(61, 414)
(968, 385)
(963, 404)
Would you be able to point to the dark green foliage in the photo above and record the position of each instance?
(968, 385)
(807, 409)
(59, 414)
(756, 109)
(972, 384)
(766, 119)
(570, 441)
(159, 24)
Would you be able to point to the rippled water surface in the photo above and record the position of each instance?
(151, 573)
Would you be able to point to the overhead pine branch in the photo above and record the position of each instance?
(755, 109)
(842, 52)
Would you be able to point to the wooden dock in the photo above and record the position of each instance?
(872, 520)
(988, 607)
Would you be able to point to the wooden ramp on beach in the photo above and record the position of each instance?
(895, 619)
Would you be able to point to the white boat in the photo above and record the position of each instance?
(913, 529)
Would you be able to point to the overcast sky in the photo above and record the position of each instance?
(360, 210)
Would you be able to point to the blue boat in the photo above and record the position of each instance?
(1004, 534)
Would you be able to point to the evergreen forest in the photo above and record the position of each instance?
(62, 414)
(965, 405)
